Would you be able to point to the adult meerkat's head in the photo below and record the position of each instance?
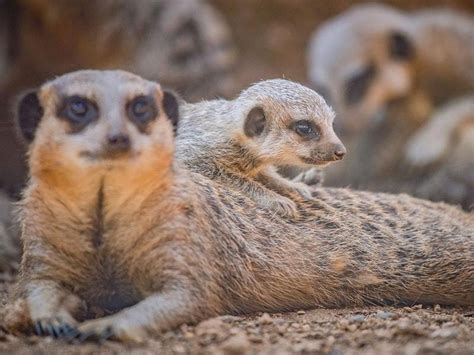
(361, 61)
(93, 118)
(286, 123)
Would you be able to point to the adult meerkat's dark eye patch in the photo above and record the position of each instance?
(141, 110)
(358, 84)
(29, 114)
(255, 122)
(400, 46)
(171, 107)
(78, 111)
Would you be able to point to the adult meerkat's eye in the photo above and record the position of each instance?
(141, 110)
(78, 111)
(306, 129)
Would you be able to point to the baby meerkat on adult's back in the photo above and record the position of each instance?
(241, 142)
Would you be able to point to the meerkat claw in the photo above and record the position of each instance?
(54, 328)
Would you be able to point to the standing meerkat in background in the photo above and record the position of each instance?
(111, 221)
(240, 142)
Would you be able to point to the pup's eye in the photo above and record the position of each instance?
(141, 110)
(306, 129)
(79, 111)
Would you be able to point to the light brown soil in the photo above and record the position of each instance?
(368, 330)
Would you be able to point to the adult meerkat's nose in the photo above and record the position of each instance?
(118, 142)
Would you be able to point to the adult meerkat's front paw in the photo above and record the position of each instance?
(110, 328)
(56, 327)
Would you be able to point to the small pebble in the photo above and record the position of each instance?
(384, 315)
(265, 319)
(358, 318)
(236, 344)
(301, 312)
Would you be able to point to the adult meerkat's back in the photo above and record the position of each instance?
(110, 221)
(240, 142)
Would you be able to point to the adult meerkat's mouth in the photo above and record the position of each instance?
(108, 155)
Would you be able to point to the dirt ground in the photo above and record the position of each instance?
(368, 330)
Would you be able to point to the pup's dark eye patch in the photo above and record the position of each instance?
(78, 111)
(141, 110)
(358, 84)
(306, 129)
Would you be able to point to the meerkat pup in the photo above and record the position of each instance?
(240, 142)
(111, 221)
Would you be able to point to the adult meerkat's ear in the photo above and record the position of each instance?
(255, 122)
(29, 114)
(400, 46)
(171, 107)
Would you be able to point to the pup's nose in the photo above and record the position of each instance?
(339, 152)
(118, 142)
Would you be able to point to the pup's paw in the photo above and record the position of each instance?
(284, 207)
(303, 190)
(311, 177)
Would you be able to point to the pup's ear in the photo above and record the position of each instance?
(29, 114)
(400, 46)
(171, 107)
(255, 122)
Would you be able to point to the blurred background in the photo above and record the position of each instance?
(399, 74)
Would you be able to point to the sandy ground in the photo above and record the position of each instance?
(369, 330)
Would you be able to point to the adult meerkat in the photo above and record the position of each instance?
(111, 220)
(240, 142)
(372, 54)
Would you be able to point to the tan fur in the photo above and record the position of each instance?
(9, 235)
(212, 141)
(174, 246)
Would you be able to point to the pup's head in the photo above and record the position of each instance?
(96, 119)
(362, 60)
(286, 123)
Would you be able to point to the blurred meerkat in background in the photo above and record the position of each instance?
(184, 44)
(386, 73)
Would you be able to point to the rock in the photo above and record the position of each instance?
(384, 315)
(265, 318)
(358, 318)
(236, 344)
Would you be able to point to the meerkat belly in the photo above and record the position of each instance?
(109, 287)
